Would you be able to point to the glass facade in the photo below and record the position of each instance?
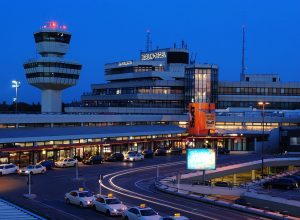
(201, 84)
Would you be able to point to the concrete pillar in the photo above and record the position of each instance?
(252, 174)
(255, 145)
(51, 101)
(234, 179)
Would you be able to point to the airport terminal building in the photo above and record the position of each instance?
(144, 105)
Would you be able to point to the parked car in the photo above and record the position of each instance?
(93, 160)
(223, 150)
(141, 212)
(115, 157)
(133, 157)
(32, 169)
(8, 169)
(67, 162)
(175, 151)
(79, 197)
(281, 183)
(49, 164)
(222, 184)
(109, 205)
(160, 152)
(78, 158)
(294, 177)
(148, 153)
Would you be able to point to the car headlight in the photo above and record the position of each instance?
(26, 171)
(114, 210)
(131, 158)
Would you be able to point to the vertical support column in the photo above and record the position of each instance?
(252, 175)
(234, 179)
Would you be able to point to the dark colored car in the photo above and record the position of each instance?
(148, 153)
(223, 150)
(222, 184)
(282, 183)
(294, 177)
(93, 160)
(115, 157)
(160, 152)
(175, 150)
(79, 159)
(49, 164)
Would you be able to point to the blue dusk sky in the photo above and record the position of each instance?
(106, 31)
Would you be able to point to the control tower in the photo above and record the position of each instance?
(51, 73)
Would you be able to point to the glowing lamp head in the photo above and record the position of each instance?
(177, 215)
(142, 206)
(53, 24)
(81, 189)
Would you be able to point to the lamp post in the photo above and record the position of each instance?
(16, 84)
(263, 104)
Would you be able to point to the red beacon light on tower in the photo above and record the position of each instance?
(54, 25)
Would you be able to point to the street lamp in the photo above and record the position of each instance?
(16, 84)
(263, 104)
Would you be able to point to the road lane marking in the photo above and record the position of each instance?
(145, 197)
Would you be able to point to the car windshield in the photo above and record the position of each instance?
(1, 167)
(30, 167)
(147, 212)
(85, 194)
(113, 201)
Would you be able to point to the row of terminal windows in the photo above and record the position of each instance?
(83, 141)
(134, 69)
(56, 75)
(52, 64)
(139, 90)
(272, 105)
(258, 91)
(92, 124)
(135, 104)
(52, 37)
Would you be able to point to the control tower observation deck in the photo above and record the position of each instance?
(51, 73)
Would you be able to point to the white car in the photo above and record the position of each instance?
(141, 212)
(176, 216)
(109, 205)
(133, 156)
(79, 197)
(32, 169)
(8, 169)
(67, 162)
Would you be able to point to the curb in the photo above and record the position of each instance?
(250, 210)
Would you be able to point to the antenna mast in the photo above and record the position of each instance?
(243, 55)
(148, 41)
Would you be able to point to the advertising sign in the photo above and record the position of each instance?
(210, 121)
(201, 159)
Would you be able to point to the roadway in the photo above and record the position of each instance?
(132, 183)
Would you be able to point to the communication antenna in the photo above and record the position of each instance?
(243, 55)
(148, 41)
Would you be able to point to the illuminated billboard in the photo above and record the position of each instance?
(201, 159)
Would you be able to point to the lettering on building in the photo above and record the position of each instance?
(125, 63)
(192, 117)
(152, 56)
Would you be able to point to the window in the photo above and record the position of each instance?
(273, 79)
(100, 200)
(247, 79)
